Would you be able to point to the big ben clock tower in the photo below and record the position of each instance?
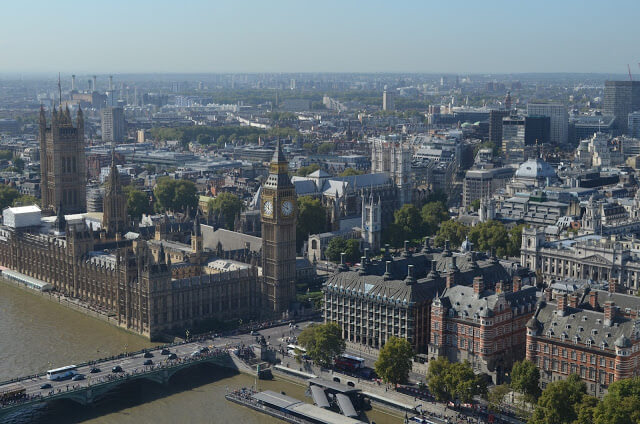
(278, 213)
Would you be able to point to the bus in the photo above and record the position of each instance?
(12, 392)
(349, 362)
(62, 373)
(295, 350)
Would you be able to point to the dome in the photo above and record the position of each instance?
(533, 324)
(536, 169)
(623, 341)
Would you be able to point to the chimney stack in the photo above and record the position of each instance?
(593, 299)
(387, 270)
(95, 84)
(517, 284)
(548, 294)
(609, 313)
(613, 286)
(478, 286)
(411, 279)
(406, 252)
(499, 287)
(73, 82)
(573, 300)
(363, 266)
(562, 304)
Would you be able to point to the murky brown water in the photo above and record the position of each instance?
(37, 334)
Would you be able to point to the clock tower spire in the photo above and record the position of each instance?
(278, 214)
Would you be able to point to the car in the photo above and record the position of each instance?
(148, 362)
(94, 370)
(148, 355)
(195, 354)
(117, 368)
(254, 333)
(204, 349)
(336, 379)
(173, 356)
(45, 386)
(78, 377)
(165, 351)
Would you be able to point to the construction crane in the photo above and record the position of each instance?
(629, 67)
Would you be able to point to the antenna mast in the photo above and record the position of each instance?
(59, 91)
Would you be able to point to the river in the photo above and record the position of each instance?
(37, 334)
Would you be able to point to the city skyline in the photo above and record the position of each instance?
(158, 37)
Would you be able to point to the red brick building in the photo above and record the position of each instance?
(592, 333)
(485, 327)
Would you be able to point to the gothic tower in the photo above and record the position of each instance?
(371, 222)
(278, 213)
(114, 217)
(62, 162)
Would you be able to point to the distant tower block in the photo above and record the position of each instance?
(73, 83)
(387, 100)
(110, 82)
(95, 85)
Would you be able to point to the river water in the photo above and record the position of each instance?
(37, 334)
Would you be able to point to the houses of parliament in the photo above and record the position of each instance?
(151, 284)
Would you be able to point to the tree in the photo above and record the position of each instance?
(323, 342)
(433, 214)
(137, 202)
(488, 236)
(26, 200)
(437, 196)
(7, 196)
(525, 379)
(475, 205)
(558, 402)
(352, 252)
(175, 195)
(350, 172)
(303, 171)
(18, 164)
(325, 148)
(454, 381)
(227, 206)
(453, 231)
(336, 246)
(407, 225)
(312, 218)
(497, 396)
(621, 404)
(587, 409)
(394, 360)
(515, 240)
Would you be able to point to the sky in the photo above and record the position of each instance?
(201, 36)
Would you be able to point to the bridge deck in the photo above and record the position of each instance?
(101, 381)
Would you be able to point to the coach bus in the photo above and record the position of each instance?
(62, 373)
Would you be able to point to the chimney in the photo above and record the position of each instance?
(411, 279)
(366, 253)
(573, 300)
(387, 271)
(95, 85)
(499, 287)
(613, 286)
(387, 251)
(73, 82)
(478, 286)
(562, 304)
(609, 313)
(451, 273)
(548, 294)
(517, 284)
(406, 252)
(342, 266)
(593, 299)
(363, 266)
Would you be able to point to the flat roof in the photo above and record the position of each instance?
(332, 385)
(276, 399)
(322, 415)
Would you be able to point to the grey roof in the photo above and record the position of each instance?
(467, 304)
(585, 327)
(304, 187)
(230, 240)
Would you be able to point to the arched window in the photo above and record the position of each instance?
(314, 244)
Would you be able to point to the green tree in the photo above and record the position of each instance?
(515, 240)
(26, 200)
(336, 246)
(7, 196)
(323, 342)
(587, 410)
(312, 218)
(454, 381)
(497, 396)
(490, 235)
(325, 148)
(227, 206)
(558, 402)
(433, 214)
(137, 202)
(175, 195)
(453, 231)
(621, 404)
(352, 251)
(437, 196)
(18, 163)
(475, 205)
(350, 172)
(303, 171)
(407, 225)
(525, 379)
(310, 147)
(394, 360)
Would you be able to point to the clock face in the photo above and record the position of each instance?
(287, 208)
(267, 208)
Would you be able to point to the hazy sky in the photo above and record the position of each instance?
(464, 36)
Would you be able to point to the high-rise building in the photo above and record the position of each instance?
(394, 158)
(113, 124)
(495, 125)
(278, 213)
(634, 124)
(559, 120)
(620, 99)
(537, 130)
(388, 102)
(62, 162)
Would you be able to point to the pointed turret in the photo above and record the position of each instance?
(278, 155)
(196, 225)
(60, 224)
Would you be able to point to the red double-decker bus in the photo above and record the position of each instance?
(349, 363)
